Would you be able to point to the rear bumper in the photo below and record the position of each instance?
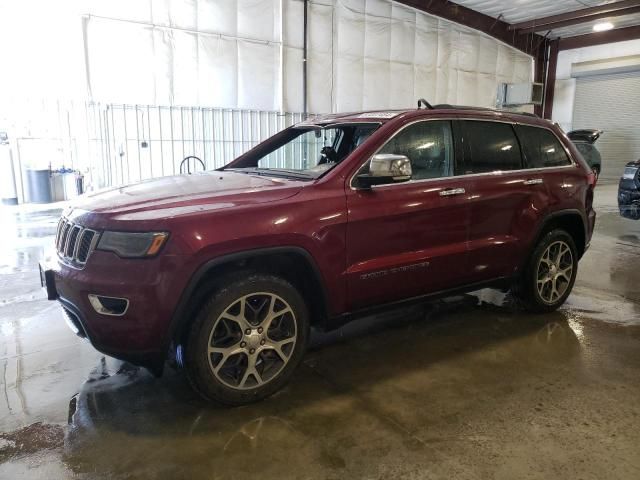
(153, 286)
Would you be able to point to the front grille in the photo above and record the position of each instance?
(74, 243)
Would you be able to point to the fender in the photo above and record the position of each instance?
(178, 318)
(547, 220)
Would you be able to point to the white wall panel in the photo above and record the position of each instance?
(401, 87)
(163, 52)
(185, 68)
(376, 84)
(258, 73)
(292, 23)
(121, 62)
(183, 13)
(258, 19)
(293, 79)
(378, 35)
(248, 54)
(403, 35)
(320, 83)
(218, 72)
(219, 17)
(487, 51)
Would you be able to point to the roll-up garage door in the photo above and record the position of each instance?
(611, 103)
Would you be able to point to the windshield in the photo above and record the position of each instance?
(306, 151)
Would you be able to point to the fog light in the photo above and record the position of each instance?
(109, 305)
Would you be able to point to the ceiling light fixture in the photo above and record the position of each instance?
(602, 26)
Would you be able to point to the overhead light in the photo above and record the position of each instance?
(602, 26)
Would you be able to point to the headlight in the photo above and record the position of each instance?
(132, 245)
(630, 172)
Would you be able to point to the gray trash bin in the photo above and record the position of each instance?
(8, 194)
(39, 186)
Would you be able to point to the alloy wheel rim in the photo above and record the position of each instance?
(555, 269)
(252, 340)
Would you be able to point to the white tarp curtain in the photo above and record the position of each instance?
(248, 54)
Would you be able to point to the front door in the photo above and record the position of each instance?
(409, 239)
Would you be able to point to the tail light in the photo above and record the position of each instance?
(593, 179)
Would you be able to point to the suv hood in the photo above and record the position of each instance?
(184, 194)
(585, 135)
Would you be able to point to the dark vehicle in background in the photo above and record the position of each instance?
(585, 140)
(629, 191)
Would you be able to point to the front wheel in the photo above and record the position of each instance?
(247, 340)
(550, 274)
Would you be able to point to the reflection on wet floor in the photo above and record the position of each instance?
(343, 391)
(466, 387)
(27, 237)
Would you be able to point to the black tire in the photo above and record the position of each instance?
(527, 289)
(199, 363)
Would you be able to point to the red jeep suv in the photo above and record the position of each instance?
(332, 218)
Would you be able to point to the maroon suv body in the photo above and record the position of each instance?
(471, 212)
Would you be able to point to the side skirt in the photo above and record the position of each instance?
(340, 320)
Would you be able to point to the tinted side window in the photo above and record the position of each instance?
(429, 146)
(541, 148)
(493, 146)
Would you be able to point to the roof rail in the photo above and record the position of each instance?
(482, 109)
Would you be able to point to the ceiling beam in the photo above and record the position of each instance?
(600, 38)
(577, 17)
(496, 28)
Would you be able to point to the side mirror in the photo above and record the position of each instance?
(385, 168)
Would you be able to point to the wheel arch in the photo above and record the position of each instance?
(572, 221)
(294, 264)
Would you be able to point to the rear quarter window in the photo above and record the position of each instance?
(541, 148)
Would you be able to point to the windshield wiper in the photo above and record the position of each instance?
(277, 172)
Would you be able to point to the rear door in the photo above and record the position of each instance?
(547, 161)
(506, 198)
(408, 239)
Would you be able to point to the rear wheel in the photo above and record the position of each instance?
(247, 340)
(550, 274)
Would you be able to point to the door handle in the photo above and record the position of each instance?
(447, 192)
(533, 181)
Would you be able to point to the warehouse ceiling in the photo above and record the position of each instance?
(516, 12)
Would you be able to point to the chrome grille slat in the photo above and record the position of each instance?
(72, 237)
(75, 243)
(58, 229)
(85, 245)
(63, 236)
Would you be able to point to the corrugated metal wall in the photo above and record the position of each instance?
(128, 143)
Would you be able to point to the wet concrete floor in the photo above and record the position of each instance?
(465, 388)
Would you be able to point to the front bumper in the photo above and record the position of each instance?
(629, 203)
(152, 286)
